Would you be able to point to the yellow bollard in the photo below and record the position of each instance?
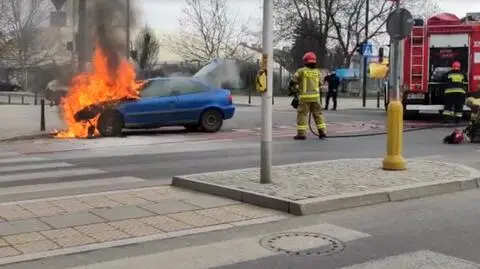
(394, 159)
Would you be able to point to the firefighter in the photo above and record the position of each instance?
(306, 83)
(454, 95)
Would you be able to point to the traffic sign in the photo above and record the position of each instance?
(367, 49)
(58, 4)
(399, 24)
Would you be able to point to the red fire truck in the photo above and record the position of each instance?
(429, 52)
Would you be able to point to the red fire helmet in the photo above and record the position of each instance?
(456, 65)
(310, 58)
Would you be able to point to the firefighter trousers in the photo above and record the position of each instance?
(302, 117)
(453, 104)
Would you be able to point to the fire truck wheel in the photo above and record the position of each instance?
(110, 123)
(211, 120)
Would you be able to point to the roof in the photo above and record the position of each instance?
(444, 19)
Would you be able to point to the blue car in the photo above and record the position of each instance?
(172, 101)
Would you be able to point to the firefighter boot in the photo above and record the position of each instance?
(299, 137)
(321, 134)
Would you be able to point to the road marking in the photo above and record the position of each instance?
(70, 185)
(21, 160)
(27, 167)
(8, 154)
(51, 174)
(420, 259)
(219, 254)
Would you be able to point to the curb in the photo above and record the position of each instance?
(24, 137)
(331, 203)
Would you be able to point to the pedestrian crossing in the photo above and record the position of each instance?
(249, 253)
(27, 174)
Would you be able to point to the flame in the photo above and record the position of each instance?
(94, 87)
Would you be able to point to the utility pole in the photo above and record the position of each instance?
(365, 59)
(267, 51)
(82, 35)
(127, 30)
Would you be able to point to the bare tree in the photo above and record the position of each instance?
(146, 49)
(348, 20)
(340, 23)
(23, 38)
(209, 30)
(289, 13)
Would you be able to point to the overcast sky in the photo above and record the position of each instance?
(163, 15)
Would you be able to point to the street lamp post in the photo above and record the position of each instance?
(267, 51)
(365, 59)
(127, 29)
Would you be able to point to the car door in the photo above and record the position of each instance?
(193, 97)
(155, 107)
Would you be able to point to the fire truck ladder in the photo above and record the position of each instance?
(417, 57)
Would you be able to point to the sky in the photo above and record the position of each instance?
(163, 15)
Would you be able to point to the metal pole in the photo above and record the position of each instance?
(42, 115)
(396, 66)
(127, 30)
(365, 60)
(82, 35)
(266, 143)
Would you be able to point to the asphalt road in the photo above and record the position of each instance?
(444, 225)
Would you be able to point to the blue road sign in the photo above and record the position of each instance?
(367, 49)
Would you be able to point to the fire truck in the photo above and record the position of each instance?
(428, 53)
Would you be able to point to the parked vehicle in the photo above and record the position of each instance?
(9, 87)
(429, 52)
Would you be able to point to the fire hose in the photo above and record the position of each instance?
(314, 131)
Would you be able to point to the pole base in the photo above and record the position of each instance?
(394, 163)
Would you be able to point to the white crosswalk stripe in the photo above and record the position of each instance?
(220, 254)
(26, 173)
(420, 259)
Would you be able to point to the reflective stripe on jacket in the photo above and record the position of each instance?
(308, 80)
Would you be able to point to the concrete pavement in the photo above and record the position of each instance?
(24, 121)
(282, 102)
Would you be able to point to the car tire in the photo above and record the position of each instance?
(110, 123)
(192, 127)
(211, 120)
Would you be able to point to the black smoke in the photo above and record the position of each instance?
(109, 18)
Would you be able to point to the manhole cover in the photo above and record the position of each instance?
(302, 243)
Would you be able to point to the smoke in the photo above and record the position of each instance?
(109, 18)
(221, 73)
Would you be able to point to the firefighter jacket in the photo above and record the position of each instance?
(308, 81)
(455, 81)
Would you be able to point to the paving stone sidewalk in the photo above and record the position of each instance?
(54, 226)
(308, 187)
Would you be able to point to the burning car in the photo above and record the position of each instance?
(170, 101)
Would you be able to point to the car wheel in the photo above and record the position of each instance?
(110, 123)
(192, 127)
(211, 120)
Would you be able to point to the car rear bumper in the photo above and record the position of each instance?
(228, 112)
(429, 108)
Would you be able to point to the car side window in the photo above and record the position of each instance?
(156, 88)
(182, 87)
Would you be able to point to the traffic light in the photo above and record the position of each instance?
(380, 55)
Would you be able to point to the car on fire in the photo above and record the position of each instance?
(165, 101)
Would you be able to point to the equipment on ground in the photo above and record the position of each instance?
(429, 52)
(456, 137)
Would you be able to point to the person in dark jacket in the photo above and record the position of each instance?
(333, 82)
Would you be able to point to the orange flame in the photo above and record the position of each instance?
(94, 87)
